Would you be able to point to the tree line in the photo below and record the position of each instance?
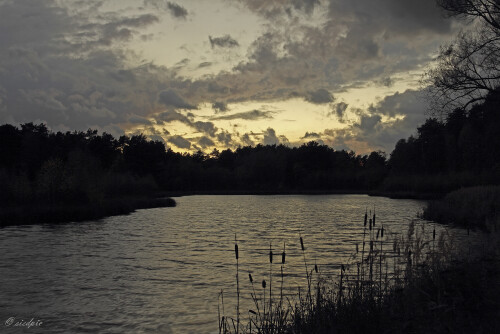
(40, 165)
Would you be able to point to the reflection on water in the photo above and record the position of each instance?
(160, 270)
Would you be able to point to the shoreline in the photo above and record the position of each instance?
(393, 195)
(61, 214)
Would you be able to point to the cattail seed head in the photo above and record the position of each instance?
(236, 247)
(316, 268)
(302, 244)
(382, 232)
(270, 255)
(366, 218)
(373, 218)
(264, 284)
(434, 234)
(250, 277)
(342, 267)
(283, 255)
(370, 224)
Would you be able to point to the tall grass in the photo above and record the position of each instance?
(378, 290)
(474, 207)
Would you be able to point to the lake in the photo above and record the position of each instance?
(161, 270)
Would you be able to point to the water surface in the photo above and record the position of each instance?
(161, 270)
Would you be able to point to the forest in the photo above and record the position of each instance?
(41, 166)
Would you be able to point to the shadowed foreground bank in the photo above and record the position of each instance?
(53, 214)
(474, 207)
(416, 282)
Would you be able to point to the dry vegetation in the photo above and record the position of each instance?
(416, 282)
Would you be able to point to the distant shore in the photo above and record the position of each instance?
(56, 214)
(395, 194)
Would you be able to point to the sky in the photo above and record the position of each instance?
(199, 74)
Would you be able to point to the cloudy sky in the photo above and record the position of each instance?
(201, 74)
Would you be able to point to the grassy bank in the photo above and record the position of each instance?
(474, 207)
(417, 282)
(62, 213)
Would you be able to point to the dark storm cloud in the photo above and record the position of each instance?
(409, 102)
(66, 63)
(387, 82)
(272, 9)
(306, 5)
(225, 138)
(219, 106)
(339, 110)
(368, 122)
(205, 127)
(58, 65)
(157, 138)
(205, 142)
(225, 41)
(134, 119)
(171, 99)
(320, 96)
(358, 41)
(371, 132)
(270, 138)
(309, 135)
(120, 30)
(246, 140)
(179, 142)
(205, 64)
(171, 116)
(247, 115)
(175, 10)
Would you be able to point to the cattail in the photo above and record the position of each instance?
(316, 268)
(253, 312)
(263, 283)
(378, 233)
(283, 255)
(236, 248)
(370, 224)
(342, 267)
(302, 244)
(382, 232)
(250, 277)
(374, 216)
(366, 218)
(434, 234)
(270, 254)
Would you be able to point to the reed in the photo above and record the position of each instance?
(237, 285)
(386, 300)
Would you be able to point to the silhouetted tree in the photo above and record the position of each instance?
(468, 69)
